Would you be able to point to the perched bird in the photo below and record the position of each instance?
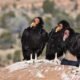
(71, 40)
(55, 43)
(34, 39)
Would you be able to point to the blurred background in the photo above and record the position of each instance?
(16, 15)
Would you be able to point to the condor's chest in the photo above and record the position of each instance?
(34, 34)
(35, 37)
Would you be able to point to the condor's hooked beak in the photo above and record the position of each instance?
(58, 29)
(33, 24)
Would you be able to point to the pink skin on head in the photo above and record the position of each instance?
(66, 35)
(36, 20)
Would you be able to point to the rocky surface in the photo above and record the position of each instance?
(40, 70)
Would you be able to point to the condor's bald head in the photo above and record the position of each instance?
(37, 22)
(62, 25)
